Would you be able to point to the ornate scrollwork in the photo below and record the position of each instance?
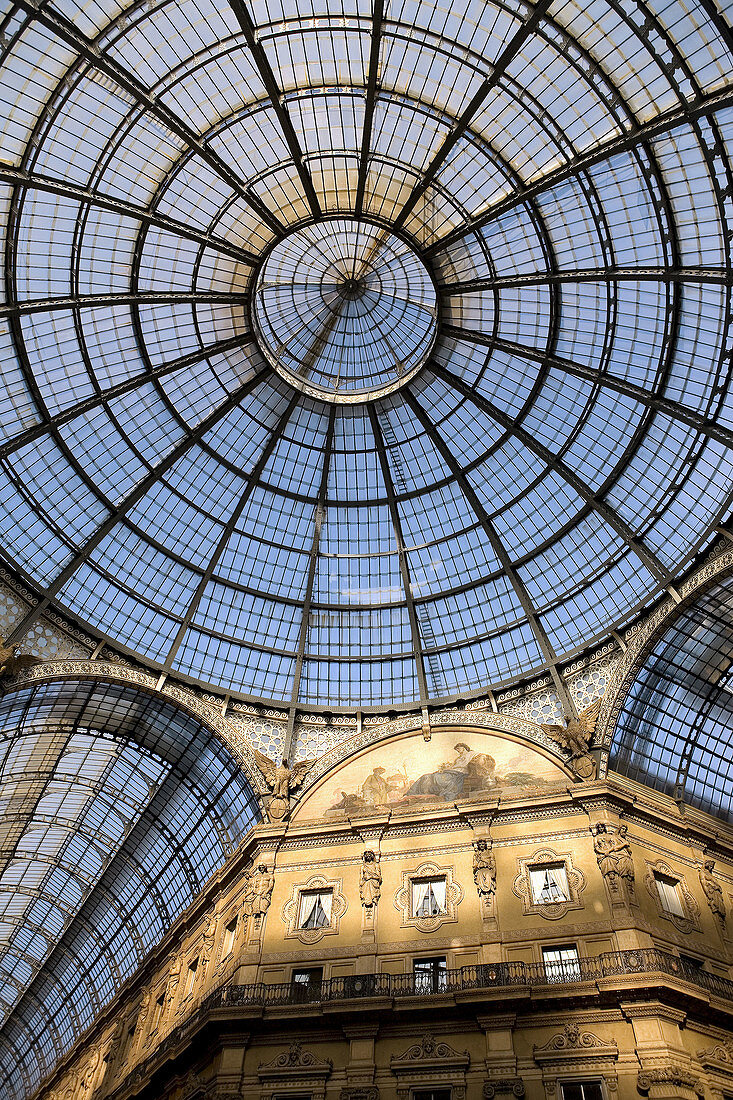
(513, 1085)
(572, 1038)
(672, 1075)
(297, 1058)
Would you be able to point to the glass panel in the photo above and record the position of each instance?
(549, 884)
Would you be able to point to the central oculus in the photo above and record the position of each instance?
(344, 310)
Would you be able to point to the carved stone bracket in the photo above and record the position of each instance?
(669, 1082)
(431, 1064)
(512, 1085)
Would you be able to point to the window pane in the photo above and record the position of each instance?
(561, 963)
(549, 884)
(428, 897)
(430, 975)
(315, 909)
(668, 894)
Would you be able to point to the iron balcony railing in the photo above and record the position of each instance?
(485, 976)
(482, 978)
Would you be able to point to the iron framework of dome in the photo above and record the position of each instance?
(496, 429)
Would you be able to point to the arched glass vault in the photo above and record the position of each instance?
(116, 808)
(674, 731)
(536, 434)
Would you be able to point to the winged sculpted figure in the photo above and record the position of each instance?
(12, 661)
(281, 780)
(575, 736)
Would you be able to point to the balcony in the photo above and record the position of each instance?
(609, 971)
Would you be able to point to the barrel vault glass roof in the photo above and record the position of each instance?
(555, 182)
(116, 809)
(674, 732)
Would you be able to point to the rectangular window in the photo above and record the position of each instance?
(427, 897)
(581, 1090)
(227, 944)
(431, 1094)
(158, 1011)
(561, 963)
(127, 1045)
(668, 894)
(315, 908)
(190, 978)
(430, 975)
(549, 884)
(306, 984)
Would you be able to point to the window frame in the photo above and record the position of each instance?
(229, 937)
(436, 967)
(544, 868)
(668, 887)
(301, 990)
(567, 970)
(429, 881)
(317, 894)
(190, 980)
(582, 1083)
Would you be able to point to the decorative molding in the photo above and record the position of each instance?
(575, 1051)
(522, 886)
(294, 1070)
(513, 1085)
(690, 922)
(291, 909)
(191, 1086)
(431, 1063)
(453, 897)
(572, 1039)
(359, 1092)
(667, 1077)
(720, 1052)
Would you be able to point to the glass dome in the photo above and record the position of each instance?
(362, 354)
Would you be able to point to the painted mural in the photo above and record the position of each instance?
(409, 772)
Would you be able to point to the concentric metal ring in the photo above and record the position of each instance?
(344, 310)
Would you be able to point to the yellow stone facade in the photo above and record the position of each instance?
(469, 1002)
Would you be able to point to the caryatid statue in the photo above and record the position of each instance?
(258, 892)
(207, 941)
(484, 870)
(712, 890)
(174, 977)
(614, 856)
(370, 880)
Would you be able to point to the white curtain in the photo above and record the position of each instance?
(316, 910)
(419, 896)
(438, 888)
(428, 897)
(558, 883)
(307, 908)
